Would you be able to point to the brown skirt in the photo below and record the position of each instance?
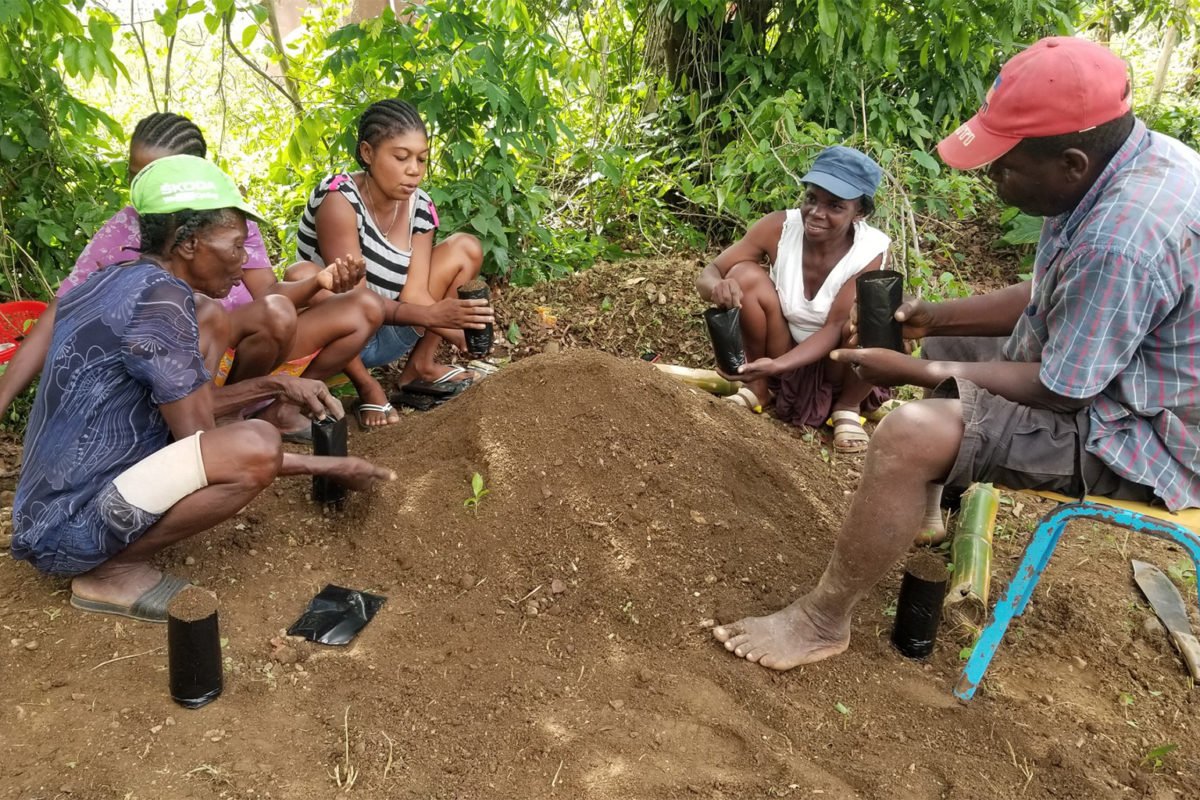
(804, 396)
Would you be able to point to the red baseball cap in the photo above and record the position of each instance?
(1059, 85)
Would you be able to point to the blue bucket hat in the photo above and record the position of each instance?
(845, 172)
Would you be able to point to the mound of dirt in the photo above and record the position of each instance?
(550, 637)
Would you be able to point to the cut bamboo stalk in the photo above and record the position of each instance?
(705, 379)
(971, 554)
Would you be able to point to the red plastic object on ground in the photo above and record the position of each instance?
(16, 318)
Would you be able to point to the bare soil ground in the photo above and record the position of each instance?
(555, 641)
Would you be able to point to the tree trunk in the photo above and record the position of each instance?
(284, 66)
(1170, 42)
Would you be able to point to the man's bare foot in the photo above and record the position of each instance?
(933, 526)
(788, 638)
(373, 394)
(120, 584)
(357, 473)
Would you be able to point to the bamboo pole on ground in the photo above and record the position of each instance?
(705, 379)
(966, 604)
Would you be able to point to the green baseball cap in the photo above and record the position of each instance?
(179, 183)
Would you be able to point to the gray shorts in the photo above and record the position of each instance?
(1017, 446)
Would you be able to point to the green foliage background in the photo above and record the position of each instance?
(563, 130)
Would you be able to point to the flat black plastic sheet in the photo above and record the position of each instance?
(336, 615)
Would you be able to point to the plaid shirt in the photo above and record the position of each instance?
(1115, 314)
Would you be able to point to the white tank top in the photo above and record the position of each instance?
(806, 317)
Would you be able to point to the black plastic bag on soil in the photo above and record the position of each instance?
(336, 615)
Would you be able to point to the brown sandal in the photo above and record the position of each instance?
(849, 436)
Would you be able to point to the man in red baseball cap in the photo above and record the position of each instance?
(1083, 380)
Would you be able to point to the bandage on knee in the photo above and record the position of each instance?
(162, 479)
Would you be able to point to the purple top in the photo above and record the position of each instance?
(1115, 314)
(125, 344)
(119, 238)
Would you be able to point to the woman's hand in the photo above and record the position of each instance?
(311, 396)
(455, 313)
(343, 274)
(727, 293)
(755, 370)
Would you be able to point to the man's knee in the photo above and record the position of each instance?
(921, 435)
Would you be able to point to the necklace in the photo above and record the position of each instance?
(375, 209)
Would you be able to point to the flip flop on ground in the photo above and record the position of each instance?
(849, 436)
(366, 408)
(746, 398)
(455, 375)
(150, 607)
(482, 368)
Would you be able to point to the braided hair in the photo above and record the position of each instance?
(174, 133)
(382, 121)
(162, 233)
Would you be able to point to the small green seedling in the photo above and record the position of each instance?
(1158, 755)
(477, 493)
(1182, 572)
(841, 708)
(514, 333)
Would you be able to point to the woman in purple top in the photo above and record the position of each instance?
(258, 320)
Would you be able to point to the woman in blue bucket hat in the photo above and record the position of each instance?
(794, 311)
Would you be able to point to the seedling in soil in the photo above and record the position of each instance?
(1157, 755)
(841, 708)
(1126, 701)
(477, 493)
(1183, 572)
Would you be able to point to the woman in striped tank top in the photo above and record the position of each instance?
(382, 215)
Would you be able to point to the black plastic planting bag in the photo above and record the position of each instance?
(329, 439)
(336, 615)
(479, 341)
(880, 293)
(194, 648)
(725, 331)
(919, 606)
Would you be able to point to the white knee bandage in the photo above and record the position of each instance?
(161, 480)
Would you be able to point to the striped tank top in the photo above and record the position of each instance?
(387, 265)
